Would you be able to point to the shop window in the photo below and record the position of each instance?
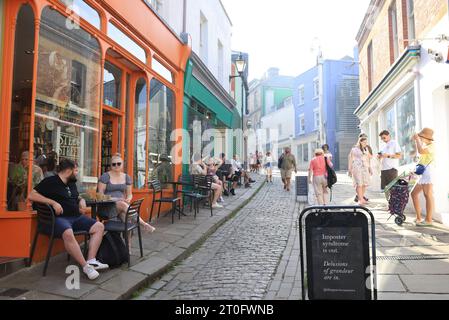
(84, 10)
(162, 123)
(67, 98)
(126, 42)
(406, 126)
(162, 70)
(112, 85)
(20, 120)
(391, 121)
(140, 134)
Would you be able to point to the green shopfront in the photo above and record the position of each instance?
(210, 114)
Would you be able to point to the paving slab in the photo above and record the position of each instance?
(428, 266)
(124, 282)
(426, 283)
(390, 283)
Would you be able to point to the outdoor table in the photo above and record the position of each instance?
(102, 208)
(175, 185)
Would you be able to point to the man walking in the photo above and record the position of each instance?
(389, 156)
(287, 167)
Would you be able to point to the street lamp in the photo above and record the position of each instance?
(240, 65)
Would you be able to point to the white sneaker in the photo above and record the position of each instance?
(221, 200)
(217, 206)
(90, 272)
(98, 265)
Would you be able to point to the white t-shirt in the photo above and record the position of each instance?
(390, 148)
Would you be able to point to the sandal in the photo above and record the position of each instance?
(424, 224)
(148, 228)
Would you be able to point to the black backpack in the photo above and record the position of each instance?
(112, 250)
(331, 175)
(280, 160)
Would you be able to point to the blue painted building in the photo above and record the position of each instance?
(341, 96)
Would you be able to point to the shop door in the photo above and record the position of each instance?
(110, 139)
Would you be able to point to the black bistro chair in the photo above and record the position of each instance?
(174, 200)
(204, 186)
(46, 218)
(191, 191)
(132, 222)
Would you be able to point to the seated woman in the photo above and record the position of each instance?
(198, 167)
(118, 185)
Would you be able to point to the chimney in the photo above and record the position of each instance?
(272, 72)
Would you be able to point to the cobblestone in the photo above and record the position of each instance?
(240, 259)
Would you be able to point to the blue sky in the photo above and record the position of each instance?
(281, 33)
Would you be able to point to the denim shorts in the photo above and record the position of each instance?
(81, 223)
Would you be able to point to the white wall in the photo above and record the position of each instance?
(219, 29)
(284, 117)
(435, 113)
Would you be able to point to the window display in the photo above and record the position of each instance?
(67, 94)
(140, 134)
(406, 126)
(162, 123)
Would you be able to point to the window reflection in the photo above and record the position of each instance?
(85, 11)
(19, 144)
(126, 42)
(140, 134)
(112, 85)
(67, 97)
(162, 123)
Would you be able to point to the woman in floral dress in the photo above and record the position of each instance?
(360, 168)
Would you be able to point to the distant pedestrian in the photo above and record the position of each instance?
(389, 156)
(318, 176)
(259, 159)
(426, 149)
(287, 167)
(360, 169)
(326, 151)
(252, 162)
(371, 154)
(268, 165)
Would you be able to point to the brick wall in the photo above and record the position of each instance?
(427, 14)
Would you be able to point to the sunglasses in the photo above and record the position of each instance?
(118, 164)
(68, 191)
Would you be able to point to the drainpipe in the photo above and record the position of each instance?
(184, 18)
(418, 99)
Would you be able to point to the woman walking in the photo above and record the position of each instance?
(425, 146)
(318, 176)
(360, 169)
(118, 185)
(268, 165)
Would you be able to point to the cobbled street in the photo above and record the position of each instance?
(241, 259)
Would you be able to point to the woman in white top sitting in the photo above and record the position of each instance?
(268, 165)
(198, 167)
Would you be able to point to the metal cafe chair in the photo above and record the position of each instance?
(46, 218)
(175, 201)
(191, 192)
(132, 222)
(204, 185)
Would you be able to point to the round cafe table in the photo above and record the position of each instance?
(103, 209)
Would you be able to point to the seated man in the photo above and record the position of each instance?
(61, 193)
(226, 172)
(239, 172)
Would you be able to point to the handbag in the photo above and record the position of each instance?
(420, 169)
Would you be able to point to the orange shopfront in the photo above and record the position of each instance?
(83, 79)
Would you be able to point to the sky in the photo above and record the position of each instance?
(282, 33)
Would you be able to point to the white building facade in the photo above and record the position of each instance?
(210, 29)
(414, 95)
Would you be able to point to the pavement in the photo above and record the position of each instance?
(163, 249)
(256, 256)
(249, 251)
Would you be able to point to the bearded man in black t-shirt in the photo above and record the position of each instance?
(61, 193)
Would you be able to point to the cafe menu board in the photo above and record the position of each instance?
(337, 256)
